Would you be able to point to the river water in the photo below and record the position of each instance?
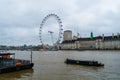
(49, 65)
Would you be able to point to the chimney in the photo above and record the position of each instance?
(118, 35)
(103, 36)
(112, 35)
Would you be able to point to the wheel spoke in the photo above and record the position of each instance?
(60, 27)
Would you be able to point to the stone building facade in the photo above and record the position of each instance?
(99, 42)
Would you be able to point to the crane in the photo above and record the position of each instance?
(51, 33)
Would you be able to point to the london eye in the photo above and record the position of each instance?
(51, 30)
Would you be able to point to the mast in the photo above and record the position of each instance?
(31, 55)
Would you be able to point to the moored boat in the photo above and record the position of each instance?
(84, 62)
(8, 63)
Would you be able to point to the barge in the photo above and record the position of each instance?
(8, 63)
(84, 62)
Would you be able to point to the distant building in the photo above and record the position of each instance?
(98, 42)
(68, 44)
(111, 42)
(67, 35)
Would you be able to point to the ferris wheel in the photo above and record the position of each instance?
(60, 27)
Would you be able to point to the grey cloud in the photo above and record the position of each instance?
(20, 19)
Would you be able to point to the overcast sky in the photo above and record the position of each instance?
(20, 19)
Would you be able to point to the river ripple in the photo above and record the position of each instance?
(49, 65)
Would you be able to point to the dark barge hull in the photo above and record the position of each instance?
(16, 68)
(81, 62)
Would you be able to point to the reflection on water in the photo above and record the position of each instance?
(22, 75)
(49, 65)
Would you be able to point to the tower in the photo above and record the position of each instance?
(91, 35)
(67, 35)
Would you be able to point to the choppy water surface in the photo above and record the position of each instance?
(49, 65)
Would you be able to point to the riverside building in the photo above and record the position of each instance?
(90, 43)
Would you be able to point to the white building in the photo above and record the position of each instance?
(99, 42)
